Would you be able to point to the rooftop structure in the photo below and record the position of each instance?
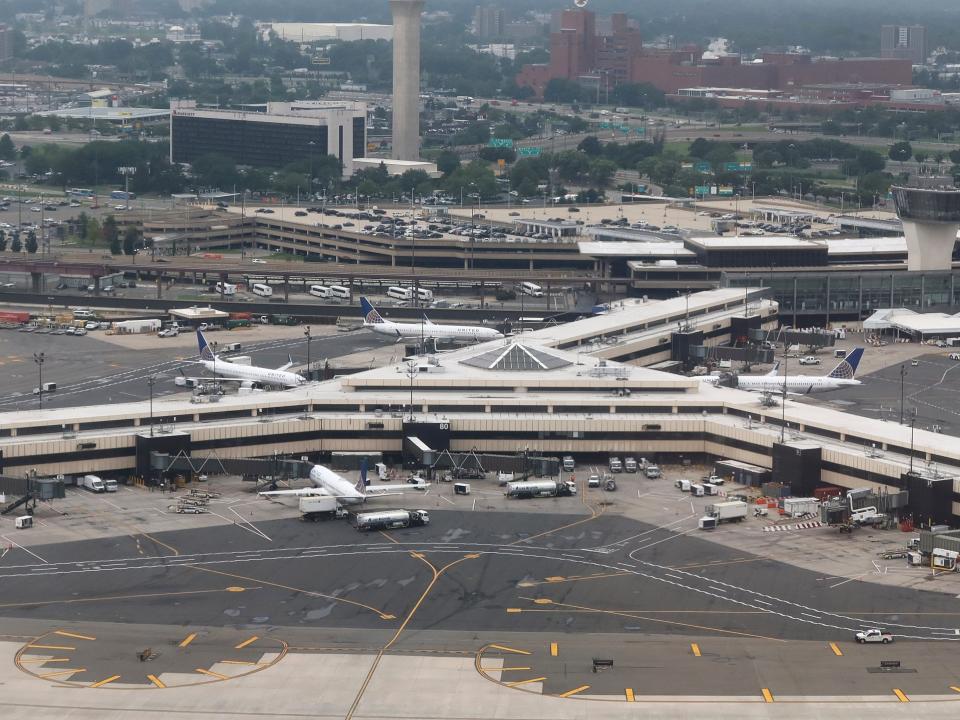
(327, 32)
(406, 78)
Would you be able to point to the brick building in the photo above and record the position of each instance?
(578, 53)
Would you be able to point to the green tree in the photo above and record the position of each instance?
(561, 90)
(920, 156)
(31, 245)
(447, 161)
(7, 149)
(111, 233)
(901, 151)
(15, 245)
(3, 240)
(954, 156)
(591, 146)
(214, 170)
(602, 172)
(131, 240)
(83, 225)
(642, 95)
(116, 246)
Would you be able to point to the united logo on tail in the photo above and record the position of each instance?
(370, 314)
(205, 352)
(361, 486)
(846, 369)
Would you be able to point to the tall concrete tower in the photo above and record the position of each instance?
(406, 78)
(931, 218)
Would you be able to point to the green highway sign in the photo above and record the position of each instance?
(530, 152)
(500, 143)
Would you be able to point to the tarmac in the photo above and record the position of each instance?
(497, 609)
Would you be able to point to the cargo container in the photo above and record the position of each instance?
(14, 317)
(730, 511)
(795, 507)
(320, 507)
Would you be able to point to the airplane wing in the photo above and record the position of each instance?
(287, 365)
(299, 492)
(381, 491)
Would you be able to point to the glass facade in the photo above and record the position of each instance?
(246, 142)
(929, 205)
(837, 296)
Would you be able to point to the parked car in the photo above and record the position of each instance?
(810, 360)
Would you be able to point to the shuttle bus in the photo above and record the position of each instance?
(320, 291)
(531, 289)
(262, 290)
(424, 295)
(399, 293)
(339, 291)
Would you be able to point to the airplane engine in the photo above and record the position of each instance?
(728, 380)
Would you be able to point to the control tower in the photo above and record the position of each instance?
(406, 78)
(931, 219)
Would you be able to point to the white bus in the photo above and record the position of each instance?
(339, 291)
(531, 289)
(424, 295)
(399, 293)
(262, 290)
(320, 291)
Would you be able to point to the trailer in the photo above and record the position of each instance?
(800, 507)
(391, 519)
(320, 507)
(525, 489)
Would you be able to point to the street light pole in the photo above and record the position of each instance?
(306, 332)
(903, 372)
(913, 421)
(38, 359)
(783, 401)
(411, 373)
(150, 381)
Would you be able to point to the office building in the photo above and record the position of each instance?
(489, 22)
(280, 134)
(6, 43)
(905, 42)
(580, 53)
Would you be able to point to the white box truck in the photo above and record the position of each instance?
(92, 483)
(630, 465)
(391, 519)
(568, 463)
(320, 507)
(652, 472)
(615, 465)
(729, 511)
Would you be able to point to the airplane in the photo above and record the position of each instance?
(426, 330)
(843, 375)
(246, 375)
(328, 483)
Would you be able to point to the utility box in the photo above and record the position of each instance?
(23, 522)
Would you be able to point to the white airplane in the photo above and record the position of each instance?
(840, 377)
(327, 482)
(246, 375)
(426, 329)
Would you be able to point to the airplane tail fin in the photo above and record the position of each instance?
(775, 369)
(361, 486)
(205, 352)
(370, 314)
(846, 369)
(427, 320)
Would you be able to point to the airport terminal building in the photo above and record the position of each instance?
(270, 135)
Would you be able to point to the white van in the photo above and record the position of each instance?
(684, 485)
(339, 291)
(83, 314)
(262, 290)
(320, 291)
(93, 484)
(110, 485)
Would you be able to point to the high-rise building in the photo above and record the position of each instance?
(906, 42)
(6, 43)
(282, 134)
(489, 22)
(406, 78)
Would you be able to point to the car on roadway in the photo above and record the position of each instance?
(169, 332)
(874, 635)
(810, 360)
(91, 325)
(36, 208)
(258, 261)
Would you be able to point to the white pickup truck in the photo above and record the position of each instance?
(810, 360)
(874, 635)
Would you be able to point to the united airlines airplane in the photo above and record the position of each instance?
(326, 482)
(373, 321)
(843, 375)
(247, 375)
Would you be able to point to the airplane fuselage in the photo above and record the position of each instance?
(264, 376)
(433, 331)
(333, 484)
(796, 384)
